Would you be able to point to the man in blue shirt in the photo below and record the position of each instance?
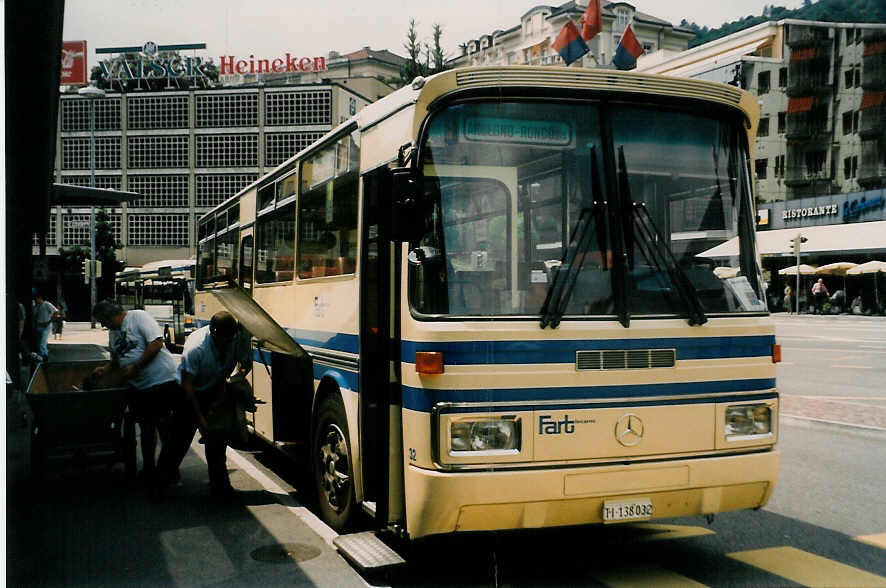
(136, 344)
(44, 313)
(209, 357)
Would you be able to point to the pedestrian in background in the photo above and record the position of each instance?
(44, 313)
(58, 323)
(820, 295)
(136, 344)
(788, 299)
(209, 358)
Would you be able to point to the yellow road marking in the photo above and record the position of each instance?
(877, 540)
(806, 568)
(662, 532)
(643, 576)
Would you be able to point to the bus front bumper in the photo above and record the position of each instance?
(446, 501)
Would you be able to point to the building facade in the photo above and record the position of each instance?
(372, 73)
(820, 87)
(185, 151)
(528, 42)
(819, 158)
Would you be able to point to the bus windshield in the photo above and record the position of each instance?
(517, 191)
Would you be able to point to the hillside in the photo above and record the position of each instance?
(823, 10)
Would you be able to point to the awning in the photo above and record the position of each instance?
(802, 54)
(875, 48)
(871, 99)
(848, 238)
(802, 104)
(70, 195)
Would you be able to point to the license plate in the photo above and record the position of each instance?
(627, 510)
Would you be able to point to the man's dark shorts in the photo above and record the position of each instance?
(155, 403)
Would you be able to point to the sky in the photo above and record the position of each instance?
(271, 28)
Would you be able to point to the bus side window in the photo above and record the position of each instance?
(327, 211)
(275, 238)
(206, 261)
(246, 262)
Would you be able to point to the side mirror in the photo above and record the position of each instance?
(406, 222)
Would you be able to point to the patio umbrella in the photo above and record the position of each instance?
(870, 267)
(724, 272)
(836, 269)
(805, 270)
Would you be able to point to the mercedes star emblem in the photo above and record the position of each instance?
(629, 430)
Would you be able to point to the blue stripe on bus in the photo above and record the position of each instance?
(614, 404)
(529, 352)
(326, 340)
(424, 399)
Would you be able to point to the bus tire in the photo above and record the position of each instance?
(332, 464)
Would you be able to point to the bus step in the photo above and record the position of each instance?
(366, 551)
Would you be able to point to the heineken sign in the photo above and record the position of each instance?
(160, 62)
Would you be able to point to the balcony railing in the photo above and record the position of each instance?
(874, 66)
(872, 171)
(873, 122)
(813, 124)
(800, 35)
(809, 72)
(873, 34)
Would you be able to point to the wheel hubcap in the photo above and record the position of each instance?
(334, 466)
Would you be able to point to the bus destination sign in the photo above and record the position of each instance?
(508, 130)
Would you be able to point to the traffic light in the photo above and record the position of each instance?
(98, 269)
(86, 271)
(796, 241)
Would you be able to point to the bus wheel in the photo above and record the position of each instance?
(333, 469)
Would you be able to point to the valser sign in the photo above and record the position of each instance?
(151, 64)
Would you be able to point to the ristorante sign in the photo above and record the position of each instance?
(161, 61)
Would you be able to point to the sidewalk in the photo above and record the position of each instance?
(90, 525)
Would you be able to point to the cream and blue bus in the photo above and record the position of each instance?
(164, 289)
(487, 302)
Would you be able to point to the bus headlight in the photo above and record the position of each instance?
(485, 435)
(748, 419)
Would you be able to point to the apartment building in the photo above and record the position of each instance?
(528, 41)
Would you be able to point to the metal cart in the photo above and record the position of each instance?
(76, 426)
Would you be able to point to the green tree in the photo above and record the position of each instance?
(413, 67)
(438, 58)
(423, 58)
(862, 11)
(105, 246)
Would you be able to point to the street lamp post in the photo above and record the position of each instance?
(91, 93)
(796, 242)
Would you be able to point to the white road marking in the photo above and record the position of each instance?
(835, 397)
(829, 422)
(309, 518)
(853, 367)
(282, 496)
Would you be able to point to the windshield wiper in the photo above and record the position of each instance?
(565, 276)
(649, 239)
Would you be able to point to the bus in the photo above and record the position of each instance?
(486, 302)
(165, 289)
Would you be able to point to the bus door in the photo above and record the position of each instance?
(378, 366)
(285, 415)
(244, 275)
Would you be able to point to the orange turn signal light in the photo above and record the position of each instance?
(429, 362)
(776, 353)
